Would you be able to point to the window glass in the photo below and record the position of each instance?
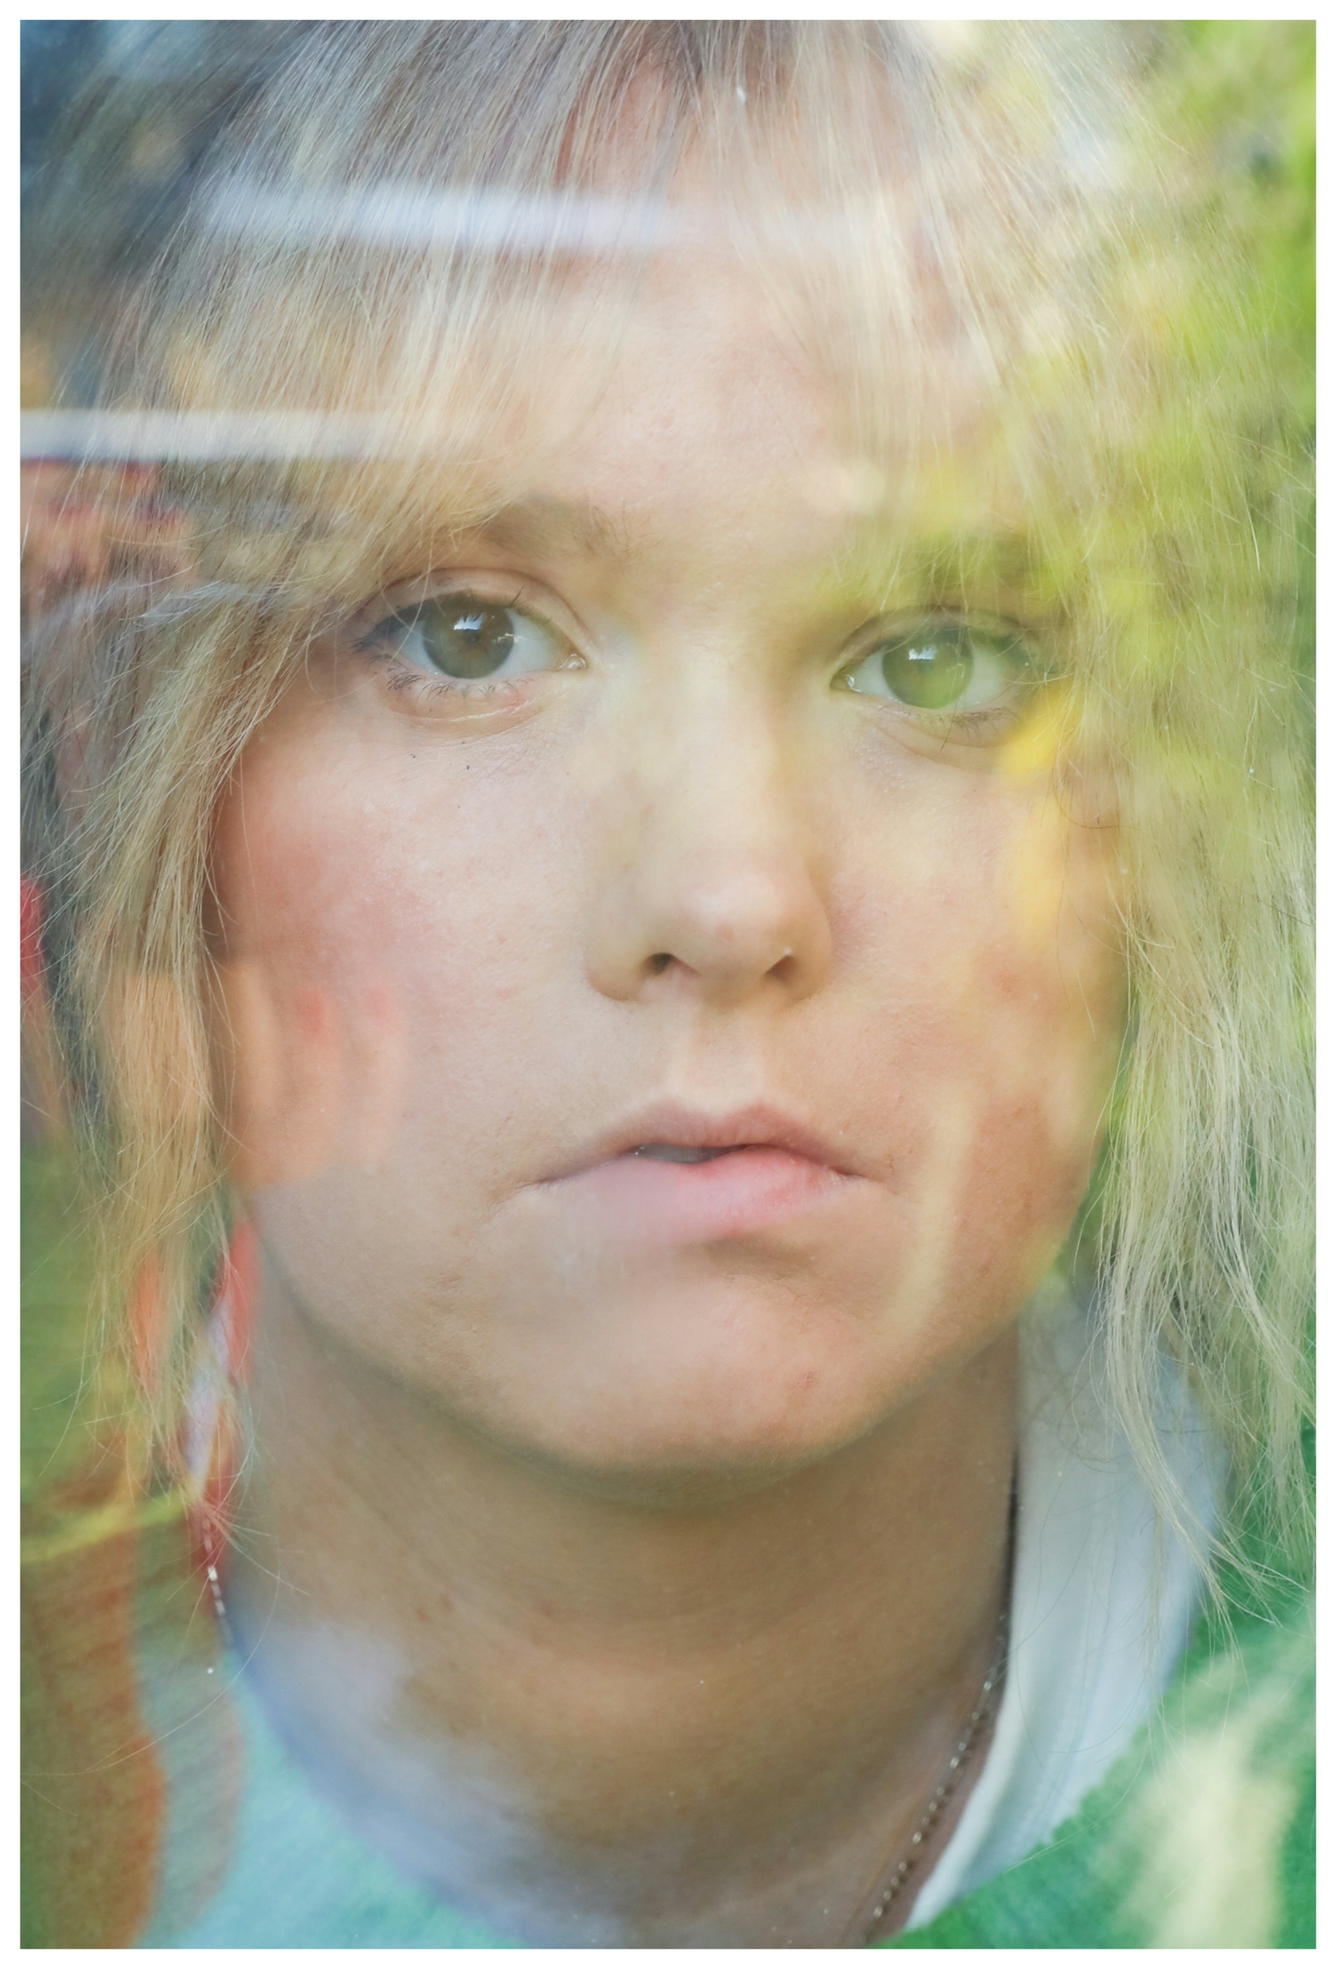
(665, 981)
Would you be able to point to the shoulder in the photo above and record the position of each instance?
(1201, 1836)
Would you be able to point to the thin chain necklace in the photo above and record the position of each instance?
(865, 1928)
(862, 1931)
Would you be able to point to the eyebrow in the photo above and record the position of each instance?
(541, 522)
(1002, 555)
(542, 525)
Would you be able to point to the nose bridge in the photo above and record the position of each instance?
(713, 880)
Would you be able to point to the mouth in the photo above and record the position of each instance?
(670, 1132)
(674, 1175)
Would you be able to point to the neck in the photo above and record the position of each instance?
(581, 1713)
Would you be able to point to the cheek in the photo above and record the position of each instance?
(360, 964)
(996, 1041)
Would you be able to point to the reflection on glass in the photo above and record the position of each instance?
(665, 983)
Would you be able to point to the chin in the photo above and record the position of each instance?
(698, 1407)
(684, 1466)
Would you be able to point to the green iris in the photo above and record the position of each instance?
(930, 669)
(459, 636)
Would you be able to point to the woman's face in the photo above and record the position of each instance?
(671, 1009)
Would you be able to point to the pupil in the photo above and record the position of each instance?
(929, 670)
(469, 640)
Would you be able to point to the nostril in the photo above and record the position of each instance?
(661, 961)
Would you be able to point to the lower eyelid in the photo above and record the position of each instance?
(981, 724)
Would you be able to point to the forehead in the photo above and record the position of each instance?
(719, 402)
(839, 333)
(703, 400)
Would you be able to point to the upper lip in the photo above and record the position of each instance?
(681, 1127)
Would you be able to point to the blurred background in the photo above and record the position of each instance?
(156, 93)
(117, 117)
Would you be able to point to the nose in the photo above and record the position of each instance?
(713, 882)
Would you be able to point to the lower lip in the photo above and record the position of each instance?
(731, 1195)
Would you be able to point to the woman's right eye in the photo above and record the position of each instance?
(467, 638)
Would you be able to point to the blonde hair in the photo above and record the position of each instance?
(406, 202)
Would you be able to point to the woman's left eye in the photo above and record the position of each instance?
(467, 638)
(943, 666)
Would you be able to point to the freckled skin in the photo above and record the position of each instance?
(719, 1523)
(921, 1024)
